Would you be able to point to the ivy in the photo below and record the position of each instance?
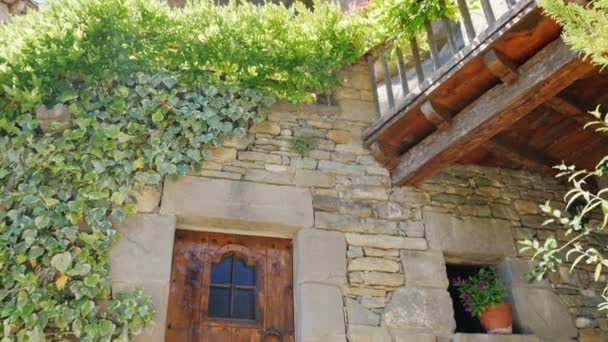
(63, 192)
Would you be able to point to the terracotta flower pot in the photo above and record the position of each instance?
(497, 319)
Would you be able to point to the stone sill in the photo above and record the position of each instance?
(493, 338)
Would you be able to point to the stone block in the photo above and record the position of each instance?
(373, 264)
(364, 333)
(382, 279)
(341, 136)
(220, 174)
(56, 119)
(373, 302)
(311, 178)
(540, 312)
(319, 256)
(469, 239)
(266, 127)
(338, 222)
(420, 309)
(383, 253)
(358, 314)
(145, 249)
(270, 177)
(238, 205)
(341, 168)
(221, 154)
(386, 241)
(319, 311)
(240, 143)
(493, 338)
(513, 273)
(4, 13)
(412, 228)
(424, 268)
(410, 196)
(342, 206)
(308, 132)
(400, 336)
(394, 211)
(147, 199)
(369, 193)
(357, 110)
(259, 156)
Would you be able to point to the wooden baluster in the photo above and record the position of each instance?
(447, 26)
(388, 81)
(402, 71)
(372, 77)
(417, 61)
(432, 45)
(488, 12)
(466, 19)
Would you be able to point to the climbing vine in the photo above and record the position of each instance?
(145, 88)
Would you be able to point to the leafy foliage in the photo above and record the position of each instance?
(480, 291)
(397, 20)
(585, 28)
(63, 192)
(304, 144)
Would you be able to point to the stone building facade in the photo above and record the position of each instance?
(369, 259)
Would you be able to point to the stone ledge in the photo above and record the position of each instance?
(493, 338)
(220, 203)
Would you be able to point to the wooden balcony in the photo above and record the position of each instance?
(498, 87)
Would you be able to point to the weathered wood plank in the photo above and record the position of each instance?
(521, 154)
(542, 77)
(569, 109)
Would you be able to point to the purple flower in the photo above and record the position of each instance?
(466, 296)
(481, 285)
(456, 281)
(467, 307)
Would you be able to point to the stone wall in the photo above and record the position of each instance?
(369, 259)
(12, 7)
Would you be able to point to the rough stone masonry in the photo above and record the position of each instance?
(388, 281)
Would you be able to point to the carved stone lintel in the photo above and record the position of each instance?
(435, 114)
(500, 66)
(59, 113)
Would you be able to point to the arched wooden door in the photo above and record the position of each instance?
(230, 288)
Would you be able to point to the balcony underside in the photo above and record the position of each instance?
(516, 97)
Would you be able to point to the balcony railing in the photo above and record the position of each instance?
(400, 77)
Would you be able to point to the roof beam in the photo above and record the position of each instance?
(540, 78)
(521, 154)
(569, 109)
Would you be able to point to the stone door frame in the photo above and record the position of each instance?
(237, 207)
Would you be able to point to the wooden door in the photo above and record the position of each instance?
(230, 288)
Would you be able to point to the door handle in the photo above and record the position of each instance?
(271, 332)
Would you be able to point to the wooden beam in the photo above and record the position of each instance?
(521, 154)
(435, 114)
(569, 109)
(540, 78)
(500, 66)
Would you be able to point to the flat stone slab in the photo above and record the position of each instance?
(319, 314)
(420, 310)
(364, 333)
(145, 249)
(319, 256)
(424, 268)
(469, 239)
(493, 338)
(240, 205)
(540, 312)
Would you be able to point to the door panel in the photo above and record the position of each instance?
(194, 255)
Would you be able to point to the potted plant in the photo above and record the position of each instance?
(483, 296)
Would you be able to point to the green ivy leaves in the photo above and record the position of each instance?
(67, 190)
